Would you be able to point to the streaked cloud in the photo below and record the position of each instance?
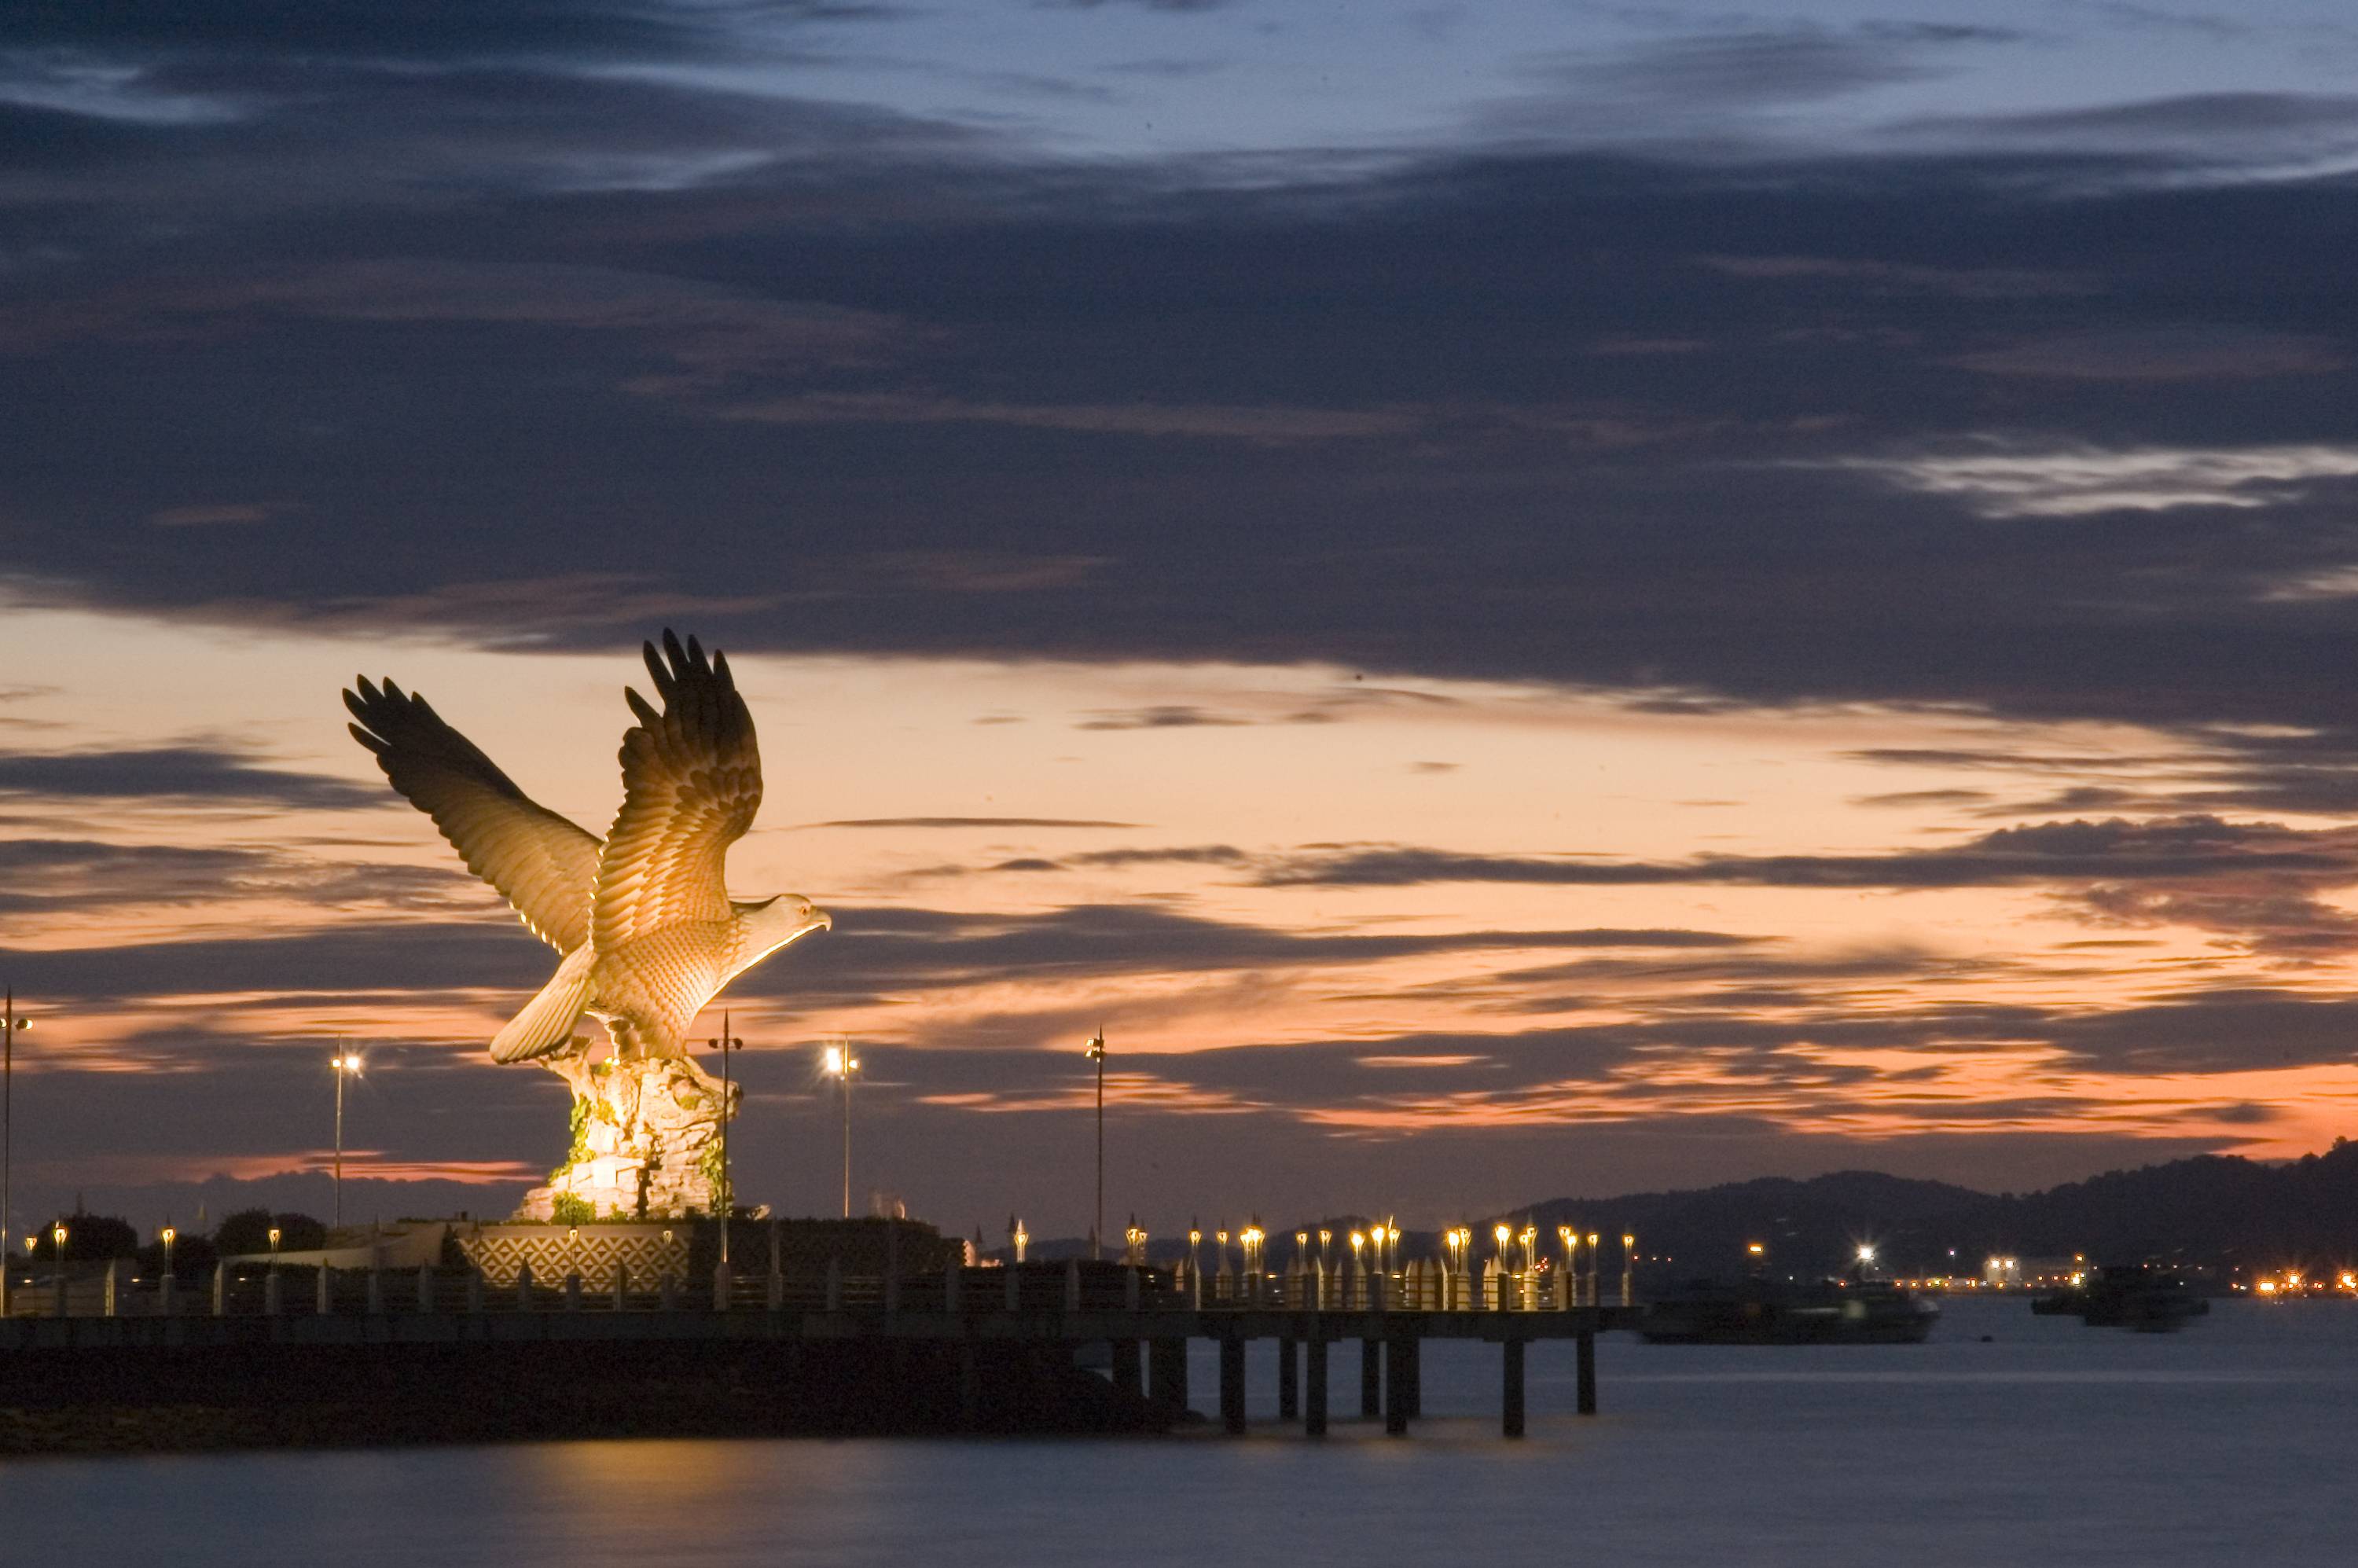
(2080, 482)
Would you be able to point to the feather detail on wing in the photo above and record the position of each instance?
(543, 865)
(691, 782)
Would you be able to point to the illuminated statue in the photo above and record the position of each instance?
(643, 919)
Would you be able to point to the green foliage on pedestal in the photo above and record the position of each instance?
(716, 1180)
(566, 1209)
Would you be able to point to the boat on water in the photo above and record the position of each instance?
(2134, 1296)
(1771, 1312)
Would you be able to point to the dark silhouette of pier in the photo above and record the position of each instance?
(963, 1348)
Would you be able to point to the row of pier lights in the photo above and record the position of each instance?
(1515, 1275)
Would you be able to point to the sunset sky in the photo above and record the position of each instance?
(1518, 599)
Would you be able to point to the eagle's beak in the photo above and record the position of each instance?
(819, 920)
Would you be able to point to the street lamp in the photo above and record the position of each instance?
(1134, 1243)
(841, 1063)
(1020, 1236)
(347, 1065)
(58, 1236)
(1097, 1051)
(10, 1025)
(1628, 1270)
(724, 1202)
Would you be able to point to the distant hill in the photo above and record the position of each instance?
(2220, 1210)
(2215, 1209)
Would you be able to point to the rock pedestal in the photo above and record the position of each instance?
(647, 1140)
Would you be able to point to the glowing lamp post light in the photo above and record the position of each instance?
(840, 1062)
(1628, 1270)
(1134, 1244)
(1097, 1054)
(347, 1065)
(1021, 1237)
(12, 1024)
(724, 1202)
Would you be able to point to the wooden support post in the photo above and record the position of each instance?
(1511, 1413)
(835, 1283)
(1313, 1420)
(1125, 1367)
(1289, 1378)
(953, 1274)
(1072, 1285)
(1232, 1384)
(164, 1290)
(1412, 1366)
(426, 1287)
(1587, 1362)
(573, 1292)
(475, 1292)
(523, 1288)
(109, 1304)
(621, 1284)
(1014, 1288)
(323, 1292)
(269, 1294)
(220, 1290)
(1396, 1384)
(375, 1292)
(724, 1285)
(773, 1296)
(1371, 1378)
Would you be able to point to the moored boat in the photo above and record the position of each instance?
(1764, 1312)
(2134, 1295)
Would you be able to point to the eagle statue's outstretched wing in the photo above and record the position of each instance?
(543, 865)
(691, 782)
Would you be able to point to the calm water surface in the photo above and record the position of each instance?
(2052, 1443)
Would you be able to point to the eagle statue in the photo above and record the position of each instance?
(642, 919)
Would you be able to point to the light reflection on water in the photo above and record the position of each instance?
(2053, 1441)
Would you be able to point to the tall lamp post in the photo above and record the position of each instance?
(347, 1065)
(9, 1025)
(724, 1202)
(1097, 1050)
(840, 1063)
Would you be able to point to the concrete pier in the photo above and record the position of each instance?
(950, 1325)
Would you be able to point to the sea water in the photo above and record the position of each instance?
(2006, 1438)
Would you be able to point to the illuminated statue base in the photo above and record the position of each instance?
(646, 1142)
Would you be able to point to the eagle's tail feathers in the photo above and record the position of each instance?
(546, 1023)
